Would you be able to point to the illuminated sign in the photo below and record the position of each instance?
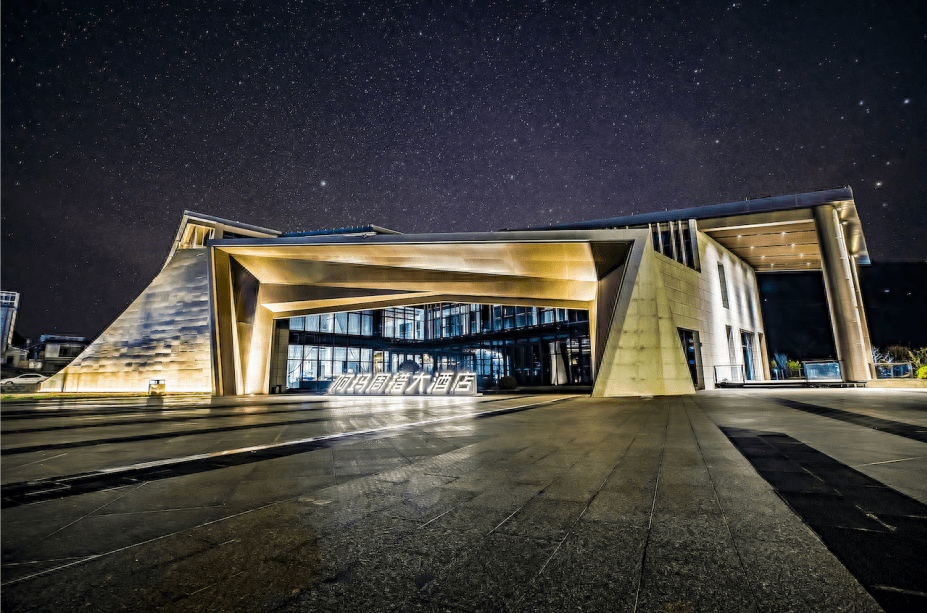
(405, 384)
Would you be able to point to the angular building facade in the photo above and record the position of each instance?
(654, 304)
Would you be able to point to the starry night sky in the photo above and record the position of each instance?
(475, 116)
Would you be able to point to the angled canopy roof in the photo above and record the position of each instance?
(771, 234)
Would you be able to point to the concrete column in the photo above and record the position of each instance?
(846, 309)
(222, 326)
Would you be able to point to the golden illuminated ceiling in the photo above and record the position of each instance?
(310, 275)
(782, 240)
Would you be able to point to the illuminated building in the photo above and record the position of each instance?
(660, 303)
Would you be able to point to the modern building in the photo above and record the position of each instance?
(9, 306)
(661, 303)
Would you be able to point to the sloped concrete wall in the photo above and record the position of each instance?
(643, 355)
(164, 334)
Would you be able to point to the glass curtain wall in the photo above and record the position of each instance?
(536, 345)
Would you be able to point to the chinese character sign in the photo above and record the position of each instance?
(438, 384)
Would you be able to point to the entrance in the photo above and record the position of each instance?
(689, 339)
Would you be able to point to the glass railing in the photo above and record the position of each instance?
(894, 370)
(828, 370)
(729, 373)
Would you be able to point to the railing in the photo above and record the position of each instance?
(894, 370)
(729, 373)
(780, 374)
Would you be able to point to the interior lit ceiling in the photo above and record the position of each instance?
(783, 240)
(307, 277)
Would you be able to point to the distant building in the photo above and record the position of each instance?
(54, 351)
(9, 306)
(662, 303)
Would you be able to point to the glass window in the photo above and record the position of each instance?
(680, 256)
(325, 364)
(687, 245)
(367, 324)
(312, 323)
(293, 373)
(354, 325)
(521, 318)
(666, 237)
(547, 315)
(388, 326)
(325, 322)
(294, 352)
(297, 323)
(341, 323)
(310, 362)
(723, 281)
(310, 367)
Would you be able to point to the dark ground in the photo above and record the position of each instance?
(774, 500)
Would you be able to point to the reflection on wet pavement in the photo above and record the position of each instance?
(512, 503)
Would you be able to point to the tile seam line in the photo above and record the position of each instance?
(653, 506)
(157, 538)
(714, 491)
(327, 437)
(396, 427)
(591, 500)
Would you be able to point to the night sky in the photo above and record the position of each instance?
(479, 116)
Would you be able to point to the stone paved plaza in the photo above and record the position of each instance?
(760, 500)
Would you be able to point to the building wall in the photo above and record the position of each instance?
(696, 303)
(164, 334)
(9, 303)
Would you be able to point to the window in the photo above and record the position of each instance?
(367, 324)
(680, 255)
(666, 237)
(195, 236)
(731, 350)
(688, 247)
(354, 324)
(341, 323)
(747, 343)
(723, 281)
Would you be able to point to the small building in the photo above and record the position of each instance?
(53, 352)
(661, 303)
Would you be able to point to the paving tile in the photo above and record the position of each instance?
(543, 518)
(496, 575)
(492, 514)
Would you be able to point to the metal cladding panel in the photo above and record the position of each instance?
(163, 335)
